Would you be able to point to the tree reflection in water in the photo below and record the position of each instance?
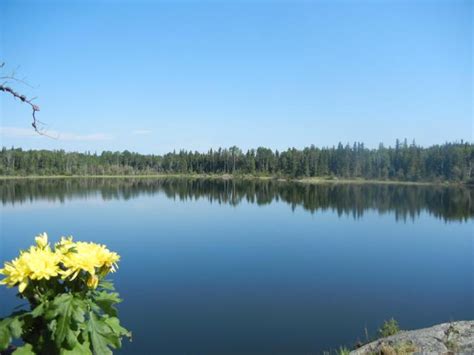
(447, 203)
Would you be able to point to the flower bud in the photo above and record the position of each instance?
(41, 240)
(93, 281)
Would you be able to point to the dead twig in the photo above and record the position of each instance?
(4, 86)
(23, 98)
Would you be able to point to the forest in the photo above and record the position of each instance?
(402, 162)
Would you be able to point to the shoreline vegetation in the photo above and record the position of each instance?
(306, 180)
(403, 164)
(445, 338)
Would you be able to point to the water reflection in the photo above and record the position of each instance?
(405, 202)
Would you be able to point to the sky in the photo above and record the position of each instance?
(157, 76)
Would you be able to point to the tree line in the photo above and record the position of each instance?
(403, 161)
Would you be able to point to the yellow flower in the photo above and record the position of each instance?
(88, 257)
(41, 240)
(36, 264)
(68, 259)
(16, 272)
(43, 263)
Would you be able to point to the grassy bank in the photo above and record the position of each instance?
(308, 180)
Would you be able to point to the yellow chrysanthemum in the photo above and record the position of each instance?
(68, 259)
(88, 257)
(34, 264)
(43, 263)
(16, 272)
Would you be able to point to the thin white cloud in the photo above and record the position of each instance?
(84, 137)
(19, 132)
(15, 132)
(141, 132)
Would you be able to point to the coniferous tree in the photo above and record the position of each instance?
(447, 162)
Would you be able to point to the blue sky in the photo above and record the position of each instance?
(153, 76)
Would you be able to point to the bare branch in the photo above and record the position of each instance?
(34, 108)
(36, 124)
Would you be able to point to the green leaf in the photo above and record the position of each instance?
(64, 315)
(26, 349)
(39, 310)
(98, 335)
(78, 311)
(5, 337)
(106, 285)
(114, 324)
(79, 349)
(11, 327)
(52, 325)
(60, 315)
(16, 327)
(71, 339)
(106, 302)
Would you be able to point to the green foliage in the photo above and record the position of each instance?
(72, 308)
(26, 349)
(106, 301)
(10, 328)
(82, 323)
(64, 314)
(343, 351)
(399, 348)
(407, 162)
(389, 328)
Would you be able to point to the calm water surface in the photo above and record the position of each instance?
(229, 267)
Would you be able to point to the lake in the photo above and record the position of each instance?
(259, 267)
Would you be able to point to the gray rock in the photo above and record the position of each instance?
(446, 338)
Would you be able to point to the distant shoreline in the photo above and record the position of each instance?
(307, 180)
